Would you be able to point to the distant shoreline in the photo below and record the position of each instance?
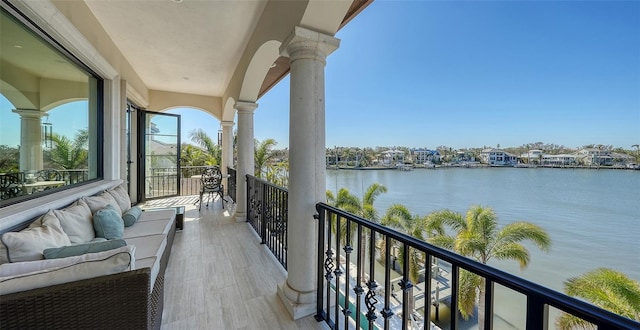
(478, 165)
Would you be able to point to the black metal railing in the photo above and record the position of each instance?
(359, 296)
(163, 181)
(231, 183)
(267, 214)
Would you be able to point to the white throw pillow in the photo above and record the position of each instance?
(37, 274)
(99, 202)
(121, 196)
(28, 244)
(77, 222)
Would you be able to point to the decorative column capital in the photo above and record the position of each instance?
(307, 44)
(29, 113)
(226, 123)
(246, 107)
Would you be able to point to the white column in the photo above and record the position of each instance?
(245, 155)
(227, 150)
(30, 139)
(307, 51)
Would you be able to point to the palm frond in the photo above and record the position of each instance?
(372, 193)
(570, 322)
(443, 241)
(397, 216)
(449, 218)
(608, 289)
(524, 231)
(468, 293)
(513, 251)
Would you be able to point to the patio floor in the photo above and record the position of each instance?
(219, 275)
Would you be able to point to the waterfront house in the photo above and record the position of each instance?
(497, 157)
(560, 160)
(533, 156)
(126, 62)
(421, 156)
(595, 157)
(465, 156)
(392, 157)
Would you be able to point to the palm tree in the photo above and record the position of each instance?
(365, 209)
(194, 156)
(399, 217)
(263, 155)
(70, 154)
(478, 237)
(200, 137)
(605, 288)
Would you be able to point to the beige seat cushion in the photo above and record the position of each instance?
(149, 251)
(146, 228)
(157, 214)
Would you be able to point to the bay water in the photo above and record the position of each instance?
(592, 216)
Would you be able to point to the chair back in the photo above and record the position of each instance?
(11, 185)
(49, 175)
(211, 178)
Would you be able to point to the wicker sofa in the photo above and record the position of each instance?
(130, 299)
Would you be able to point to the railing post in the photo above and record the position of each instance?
(246, 178)
(320, 264)
(263, 209)
(488, 304)
(537, 313)
(455, 279)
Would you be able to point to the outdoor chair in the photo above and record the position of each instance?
(49, 175)
(11, 185)
(211, 183)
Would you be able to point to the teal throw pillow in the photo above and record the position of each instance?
(108, 223)
(80, 249)
(131, 216)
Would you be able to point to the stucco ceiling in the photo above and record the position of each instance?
(188, 46)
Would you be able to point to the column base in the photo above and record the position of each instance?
(241, 216)
(298, 304)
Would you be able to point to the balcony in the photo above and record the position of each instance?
(213, 282)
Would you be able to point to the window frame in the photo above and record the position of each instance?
(11, 10)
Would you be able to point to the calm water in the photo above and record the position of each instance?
(592, 216)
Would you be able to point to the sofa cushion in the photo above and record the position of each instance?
(77, 222)
(148, 246)
(28, 244)
(108, 223)
(98, 202)
(157, 214)
(121, 197)
(32, 275)
(149, 250)
(80, 249)
(131, 216)
(146, 228)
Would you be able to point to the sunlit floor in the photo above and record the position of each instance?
(220, 277)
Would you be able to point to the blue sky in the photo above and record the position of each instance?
(469, 74)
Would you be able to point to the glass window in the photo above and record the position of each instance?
(49, 116)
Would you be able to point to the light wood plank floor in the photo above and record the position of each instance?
(220, 277)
